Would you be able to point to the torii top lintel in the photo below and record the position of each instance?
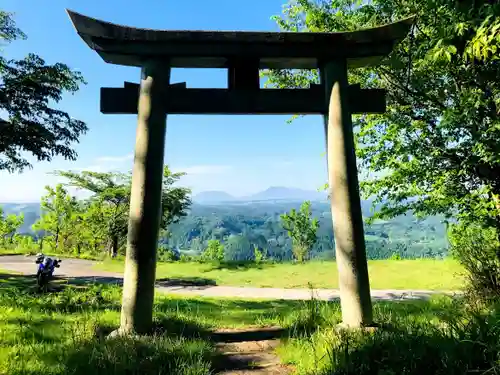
(131, 46)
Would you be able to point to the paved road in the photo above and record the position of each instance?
(83, 270)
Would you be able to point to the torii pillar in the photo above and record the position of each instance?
(243, 54)
(350, 252)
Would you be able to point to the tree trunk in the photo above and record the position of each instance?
(114, 246)
(145, 202)
(56, 239)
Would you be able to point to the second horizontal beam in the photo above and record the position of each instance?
(224, 101)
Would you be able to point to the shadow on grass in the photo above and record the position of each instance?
(21, 282)
(34, 329)
(154, 355)
(186, 282)
(239, 266)
(85, 280)
(163, 352)
(19, 291)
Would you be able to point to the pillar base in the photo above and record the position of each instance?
(370, 328)
(120, 333)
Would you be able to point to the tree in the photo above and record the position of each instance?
(175, 200)
(57, 211)
(436, 149)
(9, 224)
(302, 229)
(111, 201)
(214, 252)
(28, 87)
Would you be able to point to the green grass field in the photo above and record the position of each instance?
(64, 333)
(384, 274)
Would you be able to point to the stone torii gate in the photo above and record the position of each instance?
(242, 54)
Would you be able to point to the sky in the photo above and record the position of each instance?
(237, 154)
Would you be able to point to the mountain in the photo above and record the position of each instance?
(273, 193)
(290, 194)
(206, 197)
(31, 213)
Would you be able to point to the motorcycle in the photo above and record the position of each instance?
(45, 269)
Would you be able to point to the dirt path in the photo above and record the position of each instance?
(82, 270)
(249, 352)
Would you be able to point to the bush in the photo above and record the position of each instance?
(258, 255)
(440, 336)
(167, 255)
(466, 347)
(187, 258)
(214, 252)
(395, 256)
(478, 251)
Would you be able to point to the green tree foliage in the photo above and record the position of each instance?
(9, 224)
(175, 200)
(100, 222)
(436, 148)
(214, 252)
(259, 255)
(302, 229)
(28, 89)
(250, 225)
(478, 251)
(58, 212)
(109, 203)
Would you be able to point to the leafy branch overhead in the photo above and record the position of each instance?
(436, 149)
(28, 89)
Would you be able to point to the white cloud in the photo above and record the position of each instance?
(108, 164)
(204, 169)
(114, 159)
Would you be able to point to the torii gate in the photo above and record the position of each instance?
(242, 54)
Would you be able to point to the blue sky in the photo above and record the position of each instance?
(237, 154)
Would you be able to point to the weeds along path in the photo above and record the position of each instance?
(82, 271)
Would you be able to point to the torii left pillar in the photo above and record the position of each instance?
(145, 200)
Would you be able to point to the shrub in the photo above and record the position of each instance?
(395, 256)
(167, 255)
(258, 255)
(214, 252)
(478, 251)
(187, 258)
(462, 348)
(302, 228)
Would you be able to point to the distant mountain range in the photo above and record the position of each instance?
(273, 193)
(31, 213)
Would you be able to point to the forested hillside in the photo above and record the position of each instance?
(243, 225)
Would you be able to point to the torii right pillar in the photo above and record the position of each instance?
(345, 202)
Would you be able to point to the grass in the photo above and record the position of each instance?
(384, 274)
(63, 333)
(438, 337)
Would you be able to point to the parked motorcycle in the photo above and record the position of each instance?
(45, 269)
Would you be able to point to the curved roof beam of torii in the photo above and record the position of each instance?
(131, 46)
